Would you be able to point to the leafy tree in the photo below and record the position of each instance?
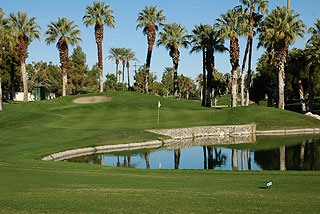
(172, 37)
(24, 30)
(264, 82)
(167, 80)
(231, 25)
(64, 32)
(46, 75)
(150, 19)
(111, 82)
(186, 86)
(281, 28)
(98, 15)
(139, 78)
(79, 80)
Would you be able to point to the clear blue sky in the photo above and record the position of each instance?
(186, 12)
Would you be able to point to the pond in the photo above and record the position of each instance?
(266, 153)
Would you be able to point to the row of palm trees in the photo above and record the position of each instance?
(278, 30)
(126, 55)
(23, 30)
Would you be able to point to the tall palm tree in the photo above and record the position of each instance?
(281, 28)
(131, 56)
(25, 30)
(198, 41)
(114, 54)
(64, 32)
(231, 26)
(98, 15)
(172, 37)
(150, 19)
(124, 54)
(251, 4)
(214, 43)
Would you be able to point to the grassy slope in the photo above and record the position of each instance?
(30, 131)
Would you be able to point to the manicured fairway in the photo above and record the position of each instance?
(32, 130)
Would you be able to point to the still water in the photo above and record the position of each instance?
(300, 155)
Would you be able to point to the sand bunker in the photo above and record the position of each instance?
(92, 99)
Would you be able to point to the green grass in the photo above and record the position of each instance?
(29, 131)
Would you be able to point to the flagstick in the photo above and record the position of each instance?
(158, 115)
(159, 105)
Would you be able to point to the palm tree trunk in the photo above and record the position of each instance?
(249, 75)
(64, 58)
(311, 92)
(210, 67)
(24, 80)
(301, 95)
(280, 60)
(204, 87)
(245, 54)
(175, 54)
(117, 69)
(0, 96)
(64, 82)
(128, 70)
(22, 50)
(234, 60)
(123, 67)
(100, 64)
(151, 36)
(98, 32)
(243, 70)
(288, 4)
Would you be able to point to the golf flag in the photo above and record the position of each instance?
(159, 105)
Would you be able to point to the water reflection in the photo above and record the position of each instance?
(303, 156)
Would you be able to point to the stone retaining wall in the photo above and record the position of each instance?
(203, 131)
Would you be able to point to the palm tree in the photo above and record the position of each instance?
(24, 30)
(231, 26)
(198, 42)
(214, 43)
(281, 28)
(251, 4)
(98, 15)
(172, 37)
(124, 54)
(131, 56)
(150, 19)
(115, 54)
(64, 32)
(315, 32)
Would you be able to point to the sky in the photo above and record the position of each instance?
(186, 12)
